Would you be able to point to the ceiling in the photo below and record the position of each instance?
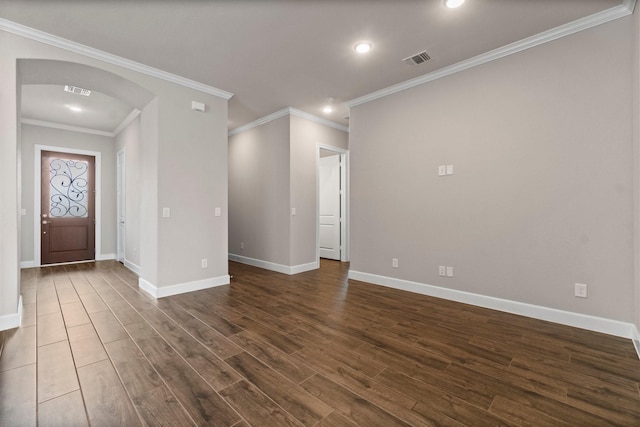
(273, 54)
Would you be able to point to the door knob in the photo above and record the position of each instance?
(45, 222)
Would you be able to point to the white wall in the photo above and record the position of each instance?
(542, 194)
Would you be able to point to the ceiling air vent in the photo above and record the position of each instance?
(77, 90)
(417, 59)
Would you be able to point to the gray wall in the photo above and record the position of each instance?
(259, 192)
(306, 135)
(272, 168)
(32, 135)
(542, 193)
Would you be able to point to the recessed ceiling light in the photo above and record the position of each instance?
(74, 108)
(327, 109)
(452, 4)
(363, 47)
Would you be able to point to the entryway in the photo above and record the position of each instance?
(66, 213)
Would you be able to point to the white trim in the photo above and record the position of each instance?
(127, 120)
(583, 321)
(133, 267)
(105, 257)
(279, 268)
(41, 36)
(283, 113)
(14, 320)
(317, 119)
(37, 155)
(66, 127)
(27, 264)
(620, 11)
(636, 340)
(181, 288)
(121, 197)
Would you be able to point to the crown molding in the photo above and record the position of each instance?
(53, 125)
(620, 11)
(41, 36)
(320, 120)
(289, 111)
(132, 115)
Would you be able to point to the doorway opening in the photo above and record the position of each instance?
(67, 215)
(332, 230)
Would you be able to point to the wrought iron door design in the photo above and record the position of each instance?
(67, 211)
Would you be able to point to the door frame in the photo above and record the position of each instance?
(344, 200)
(121, 203)
(37, 155)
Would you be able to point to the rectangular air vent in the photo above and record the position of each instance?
(77, 90)
(417, 59)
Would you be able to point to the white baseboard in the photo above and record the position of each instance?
(105, 257)
(27, 264)
(133, 267)
(583, 321)
(285, 269)
(636, 340)
(14, 320)
(181, 288)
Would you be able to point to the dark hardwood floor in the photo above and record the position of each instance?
(312, 349)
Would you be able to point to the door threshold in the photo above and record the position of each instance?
(67, 263)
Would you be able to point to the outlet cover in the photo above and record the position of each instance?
(580, 290)
(203, 262)
(394, 263)
(449, 271)
(442, 271)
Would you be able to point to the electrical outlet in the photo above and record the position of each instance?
(580, 290)
(394, 263)
(203, 262)
(442, 170)
(242, 246)
(442, 271)
(166, 212)
(449, 271)
(449, 169)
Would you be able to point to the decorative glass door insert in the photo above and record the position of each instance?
(68, 188)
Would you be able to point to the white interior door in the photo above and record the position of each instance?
(329, 238)
(121, 207)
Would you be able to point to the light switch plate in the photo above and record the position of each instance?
(166, 212)
(449, 271)
(449, 169)
(217, 212)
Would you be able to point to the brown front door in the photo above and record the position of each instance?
(67, 208)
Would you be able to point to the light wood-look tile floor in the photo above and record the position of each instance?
(312, 349)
